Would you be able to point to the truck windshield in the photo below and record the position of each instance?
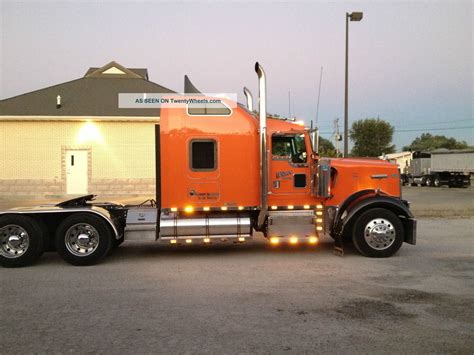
(289, 147)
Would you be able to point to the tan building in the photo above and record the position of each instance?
(403, 159)
(72, 138)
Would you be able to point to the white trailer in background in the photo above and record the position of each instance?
(441, 167)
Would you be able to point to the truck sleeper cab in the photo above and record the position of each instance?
(222, 173)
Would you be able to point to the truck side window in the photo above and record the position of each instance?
(289, 147)
(203, 155)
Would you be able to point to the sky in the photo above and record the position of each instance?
(410, 62)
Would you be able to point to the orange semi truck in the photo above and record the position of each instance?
(221, 174)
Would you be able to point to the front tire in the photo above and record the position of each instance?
(21, 241)
(378, 233)
(83, 239)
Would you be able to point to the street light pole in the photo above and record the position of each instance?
(355, 16)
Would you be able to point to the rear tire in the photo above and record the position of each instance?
(83, 239)
(436, 181)
(429, 181)
(378, 233)
(21, 241)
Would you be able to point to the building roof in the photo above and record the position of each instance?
(96, 94)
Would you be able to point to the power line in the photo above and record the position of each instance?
(432, 129)
(429, 123)
(418, 129)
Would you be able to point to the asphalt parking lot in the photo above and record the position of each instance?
(250, 298)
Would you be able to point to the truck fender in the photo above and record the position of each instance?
(41, 211)
(360, 202)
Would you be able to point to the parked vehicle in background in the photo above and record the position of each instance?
(452, 168)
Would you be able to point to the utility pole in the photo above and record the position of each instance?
(355, 16)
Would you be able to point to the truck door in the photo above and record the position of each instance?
(289, 173)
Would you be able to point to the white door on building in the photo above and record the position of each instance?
(76, 171)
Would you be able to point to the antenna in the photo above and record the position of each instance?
(319, 95)
(289, 104)
(337, 136)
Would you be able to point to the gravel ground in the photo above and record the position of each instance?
(248, 299)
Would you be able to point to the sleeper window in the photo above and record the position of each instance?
(203, 155)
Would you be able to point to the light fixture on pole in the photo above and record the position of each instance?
(354, 16)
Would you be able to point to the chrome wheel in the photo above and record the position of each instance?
(14, 241)
(81, 239)
(379, 234)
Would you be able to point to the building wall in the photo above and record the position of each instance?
(121, 156)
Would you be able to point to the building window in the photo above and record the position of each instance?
(203, 155)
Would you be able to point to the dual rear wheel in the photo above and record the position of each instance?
(81, 239)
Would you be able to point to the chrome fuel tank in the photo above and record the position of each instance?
(172, 226)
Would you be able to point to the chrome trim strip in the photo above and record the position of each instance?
(379, 176)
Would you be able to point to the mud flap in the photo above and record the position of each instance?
(338, 246)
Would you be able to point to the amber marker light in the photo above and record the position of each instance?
(319, 220)
(274, 240)
(173, 241)
(241, 239)
(189, 209)
(290, 207)
(224, 208)
(207, 240)
(189, 241)
(174, 209)
(274, 207)
(293, 240)
(319, 207)
(319, 213)
(306, 207)
(313, 240)
(241, 208)
(319, 228)
(206, 208)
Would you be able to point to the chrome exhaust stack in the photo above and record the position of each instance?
(249, 97)
(262, 109)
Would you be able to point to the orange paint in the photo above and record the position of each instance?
(235, 180)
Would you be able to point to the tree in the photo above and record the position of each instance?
(428, 142)
(372, 137)
(326, 148)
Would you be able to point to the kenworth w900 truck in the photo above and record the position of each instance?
(221, 174)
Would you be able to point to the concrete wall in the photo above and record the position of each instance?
(121, 156)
